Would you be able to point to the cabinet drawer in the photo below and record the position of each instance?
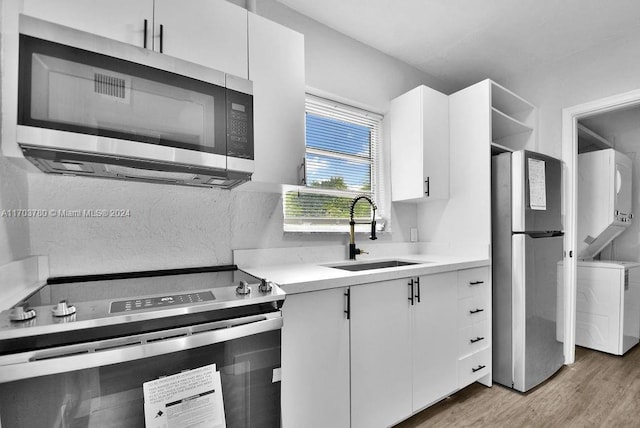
(474, 338)
(473, 367)
(473, 281)
(474, 309)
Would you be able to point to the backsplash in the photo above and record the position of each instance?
(163, 226)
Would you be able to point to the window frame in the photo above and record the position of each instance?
(325, 107)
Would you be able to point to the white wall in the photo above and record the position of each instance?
(607, 70)
(178, 226)
(345, 67)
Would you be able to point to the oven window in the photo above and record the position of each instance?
(112, 395)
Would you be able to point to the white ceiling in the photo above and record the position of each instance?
(464, 41)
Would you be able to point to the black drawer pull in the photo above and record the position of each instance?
(475, 311)
(476, 282)
(477, 339)
(478, 368)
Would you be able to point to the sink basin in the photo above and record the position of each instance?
(355, 267)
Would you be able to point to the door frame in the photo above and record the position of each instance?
(570, 117)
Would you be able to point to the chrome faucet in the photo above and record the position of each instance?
(352, 226)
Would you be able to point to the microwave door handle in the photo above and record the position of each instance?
(40, 363)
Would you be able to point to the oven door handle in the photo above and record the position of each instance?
(113, 351)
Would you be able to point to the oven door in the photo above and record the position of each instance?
(100, 384)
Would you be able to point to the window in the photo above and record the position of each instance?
(340, 164)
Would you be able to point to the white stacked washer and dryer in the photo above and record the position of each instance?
(608, 291)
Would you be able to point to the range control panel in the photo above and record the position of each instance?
(158, 302)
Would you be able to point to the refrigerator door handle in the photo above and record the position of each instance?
(518, 320)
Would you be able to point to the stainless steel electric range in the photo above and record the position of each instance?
(86, 350)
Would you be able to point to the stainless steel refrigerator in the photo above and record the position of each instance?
(527, 246)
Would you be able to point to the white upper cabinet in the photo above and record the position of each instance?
(212, 33)
(122, 20)
(208, 32)
(419, 133)
(276, 67)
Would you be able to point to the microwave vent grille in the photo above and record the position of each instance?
(109, 85)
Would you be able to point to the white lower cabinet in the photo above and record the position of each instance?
(315, 360)
(435, 344)
(403, 347)
(371, 355)
(381, 369)
(474, 327)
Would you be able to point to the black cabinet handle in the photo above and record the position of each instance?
(475, 311)
(418, 284)
(426, 182)
(411, 291)
(478, 368)
(347, 311)
(477, 339)
(144, 41)
(476, 282)
(161, 37)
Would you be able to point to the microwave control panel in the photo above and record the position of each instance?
(239, 125)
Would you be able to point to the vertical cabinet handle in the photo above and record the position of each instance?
(144, 40)
(302, 179)
(426, 183)
(418, 287)
(161, 37)
(347, 311)
(411, 291)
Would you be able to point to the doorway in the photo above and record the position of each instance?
(570, 119)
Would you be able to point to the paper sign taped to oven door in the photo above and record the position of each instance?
(192, 398)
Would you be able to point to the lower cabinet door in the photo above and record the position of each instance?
(315, 360)
(381, 370)
(435, 339)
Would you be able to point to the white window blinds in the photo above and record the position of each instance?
(340, 163)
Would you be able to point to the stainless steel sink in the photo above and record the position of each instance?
(355, 267)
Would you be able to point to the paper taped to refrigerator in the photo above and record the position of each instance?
(537, 184)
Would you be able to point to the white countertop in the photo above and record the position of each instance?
(304, 277)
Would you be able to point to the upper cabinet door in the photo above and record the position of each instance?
(276, 67)
(212, 33)
(122, 20)
(419, 121)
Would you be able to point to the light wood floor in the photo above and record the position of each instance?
(599, 390)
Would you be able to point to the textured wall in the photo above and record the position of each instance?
(14, 231)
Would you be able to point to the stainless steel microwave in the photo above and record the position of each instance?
(92, 106)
